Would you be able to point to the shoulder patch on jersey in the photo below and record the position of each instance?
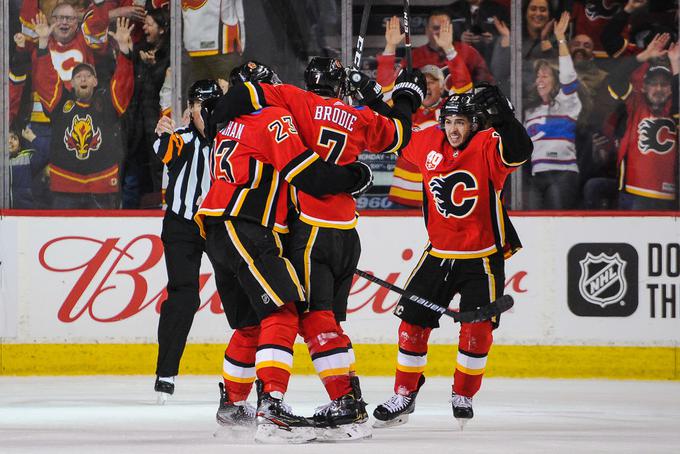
(433, 159)
(68, 106)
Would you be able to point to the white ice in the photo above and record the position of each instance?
(119, 415)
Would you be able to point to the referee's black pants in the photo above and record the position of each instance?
(184, 248)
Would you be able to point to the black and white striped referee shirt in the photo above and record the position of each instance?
(186, 154)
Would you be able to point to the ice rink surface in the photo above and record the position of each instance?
(107, 414)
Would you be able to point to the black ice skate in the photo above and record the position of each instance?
(356, 389)
(395, 411)
(342, 419)
(462, 409)
(276, 422)
(164, 389)
(234, 414)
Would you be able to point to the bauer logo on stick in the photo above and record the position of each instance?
(602, 279)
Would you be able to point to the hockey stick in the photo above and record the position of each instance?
(356, 63)
(407, 35)
(487, 312)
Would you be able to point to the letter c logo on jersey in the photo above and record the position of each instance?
(455, 194)
(656, 135)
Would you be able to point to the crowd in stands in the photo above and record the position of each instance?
(89, 80)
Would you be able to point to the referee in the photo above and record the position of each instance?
(185, 152)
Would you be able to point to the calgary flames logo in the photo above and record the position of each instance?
(601, 9)
(193, 4)
(656, 135)
(81, 138)
(455, 195)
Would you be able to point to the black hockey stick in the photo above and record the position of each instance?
(356, 63)
(487, 312)
(407, 34)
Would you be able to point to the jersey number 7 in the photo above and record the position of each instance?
(335, 140)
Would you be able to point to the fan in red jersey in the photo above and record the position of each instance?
(464, 168)
(323, 245)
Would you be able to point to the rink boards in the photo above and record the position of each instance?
(595, 297)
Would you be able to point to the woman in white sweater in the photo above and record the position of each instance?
(550, 119)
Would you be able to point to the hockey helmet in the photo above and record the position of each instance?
(461, 104)
(253, 71)
(207, 92)
(204, 90)
(325, 76)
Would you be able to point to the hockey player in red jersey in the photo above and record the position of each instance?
(464, 169)
(254, 159)
(323, 245)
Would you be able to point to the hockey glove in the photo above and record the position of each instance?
(491, 101)
(412, 85)
(364, 178)
(363, 87)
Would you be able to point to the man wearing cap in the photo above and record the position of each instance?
(648, 151)
(86, 147)
(407, 181)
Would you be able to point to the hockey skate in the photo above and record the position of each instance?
(276, 422)
(342, 419)
(164, 390)
(234, 414)
(395, 411)
(462, 409)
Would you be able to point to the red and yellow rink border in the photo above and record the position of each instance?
(527, 361)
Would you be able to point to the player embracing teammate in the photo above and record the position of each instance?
(323, 245)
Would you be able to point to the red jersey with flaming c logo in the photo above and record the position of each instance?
(648, 154)
(338, 133)
(463, 211)
(253, 159)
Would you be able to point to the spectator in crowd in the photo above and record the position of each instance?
(19, 66)
(648, 151)
(407, 182)
(590, 18)
(550, 119)
(24, 164)
(68, 45)
(537, 43)
(143, 172)
(539, 20)
(630, 30)
(500, 57)
(87, 147)
(214, 37)
(473, 21)
(592, 144)
(461, 62)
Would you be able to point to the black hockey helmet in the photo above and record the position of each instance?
(325, 76)
(461, 104)
(207, 92)
(253, 71)
(204, 90)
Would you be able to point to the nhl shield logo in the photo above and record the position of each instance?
(602, 279)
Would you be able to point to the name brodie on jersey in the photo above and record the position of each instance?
(340, 117)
